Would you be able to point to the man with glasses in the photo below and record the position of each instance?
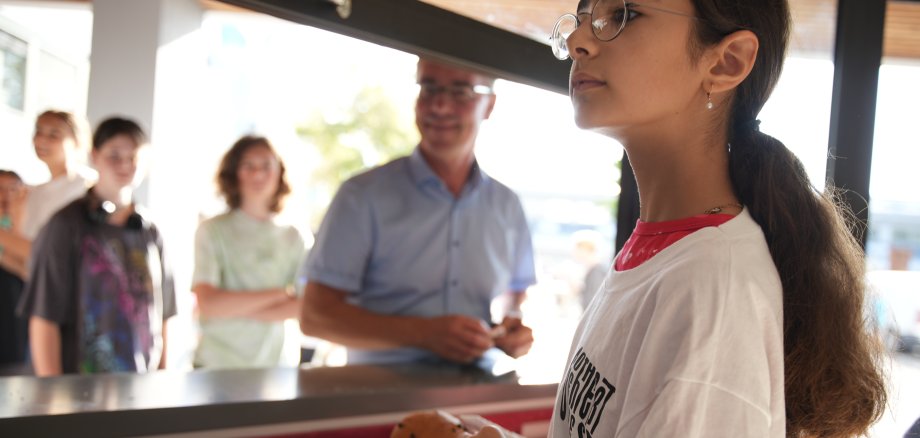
(411, 254)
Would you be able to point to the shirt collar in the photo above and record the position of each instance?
(423, 175)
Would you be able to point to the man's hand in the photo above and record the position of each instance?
(516, 339)
(456, 338)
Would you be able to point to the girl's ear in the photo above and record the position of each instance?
(731, 61)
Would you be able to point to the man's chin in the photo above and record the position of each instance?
(441, 139)
(442, 144)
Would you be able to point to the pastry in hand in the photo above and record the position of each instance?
(440, 424)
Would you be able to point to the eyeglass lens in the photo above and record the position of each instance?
(458, 93)
(608, 18)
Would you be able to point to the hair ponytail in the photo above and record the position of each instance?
(834, 384)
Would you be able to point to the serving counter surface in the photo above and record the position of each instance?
(253, 402)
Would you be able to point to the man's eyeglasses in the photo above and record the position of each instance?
(608, 19)
(459, 93)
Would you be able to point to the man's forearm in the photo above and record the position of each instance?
(326, 314)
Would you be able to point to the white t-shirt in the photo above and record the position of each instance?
(688, 344)
(46, 199)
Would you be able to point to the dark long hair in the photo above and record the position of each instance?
(834, 383)
(229, 184)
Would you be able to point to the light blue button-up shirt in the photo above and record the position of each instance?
(399, 241)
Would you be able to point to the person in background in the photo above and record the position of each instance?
(100, 291)
(914, 431)
(246, 263)
(587, 249)
(58, 142)
(13, 330)
(735, 308)
(411, 254)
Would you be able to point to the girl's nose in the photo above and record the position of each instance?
(582, 42)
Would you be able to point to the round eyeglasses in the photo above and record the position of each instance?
(608, 19)
(459, 93)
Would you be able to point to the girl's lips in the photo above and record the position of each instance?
(585, 85)
(582, 81)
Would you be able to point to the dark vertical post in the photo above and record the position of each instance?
(628, 205)
(857, 57)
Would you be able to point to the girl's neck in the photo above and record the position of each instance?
(59, 170)
(120, 196)
(256, 210)
(680, 180)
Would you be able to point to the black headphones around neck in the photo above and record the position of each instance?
(104, 209)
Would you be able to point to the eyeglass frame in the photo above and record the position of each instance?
(467, 92)
(626, 7)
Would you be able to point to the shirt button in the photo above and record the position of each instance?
(454, 283)
(456, 243)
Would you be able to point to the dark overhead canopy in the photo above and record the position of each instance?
(813, 32)
(426, 30)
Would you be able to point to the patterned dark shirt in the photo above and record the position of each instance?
(106, 286)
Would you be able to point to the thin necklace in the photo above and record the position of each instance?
(717, 210)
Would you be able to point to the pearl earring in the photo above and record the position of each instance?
(709, 104)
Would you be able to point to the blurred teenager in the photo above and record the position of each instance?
(58, 142)
(246, 263)
(100, 291)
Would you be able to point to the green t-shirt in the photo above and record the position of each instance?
(237, 252)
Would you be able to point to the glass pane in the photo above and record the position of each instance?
(321, 121)
(568, 182)
(893, 246)
(13, 73)
(44, 63)
(798, 113)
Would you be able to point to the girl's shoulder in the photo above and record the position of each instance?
(215, 224)
(712, 261)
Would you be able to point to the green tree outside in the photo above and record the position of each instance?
(374, 129)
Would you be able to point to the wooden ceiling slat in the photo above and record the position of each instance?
(813, 31)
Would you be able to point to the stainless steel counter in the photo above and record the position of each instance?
(251, 402)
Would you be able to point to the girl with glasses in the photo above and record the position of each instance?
(736, 306)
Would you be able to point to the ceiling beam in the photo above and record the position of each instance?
(426, 30)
